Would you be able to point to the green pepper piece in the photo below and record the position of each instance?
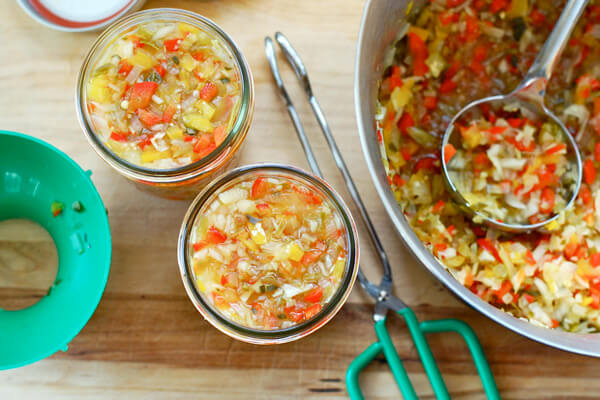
(77, 206)
(519, 27)
(56, 207)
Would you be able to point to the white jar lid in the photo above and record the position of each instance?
(78, 15)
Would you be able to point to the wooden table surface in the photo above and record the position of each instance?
(146, 340)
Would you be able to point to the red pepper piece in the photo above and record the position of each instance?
(537, 18)
(447, 86)
(530, 299)
(505, 288)
(204, 146)
(169, 113)
(419, 52)
(439, 206)
(515, 122)
(199, 245)
(585, 195)
(547, 201)
(262, 208)
(449, 152)
(395, 79)
(405, 122)
(430, 102)
(200, 56)
(312, 311)
(427, 163)
(557, 148)
(452, 70)
(209, 91)
(119, 136)
(595, 259)
(124, 68)
(172, 45)
(144, 142)
(589, 172)
(472, 28)
(529, 258)
(219, 134)
(215, 236)
(448, 17)
(487, 244)
(398, 181)
(498, 5)
(160, 70)
(259, 188)
(497, 129)
(148, 118)
(314, 296)
(476, 67)
(308, 195)
(480, 53)
(571, 250)
(141, 95)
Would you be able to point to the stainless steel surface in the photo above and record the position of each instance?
(530, 94)
(382, 19)
(382, 293)
(218, 320)
(310, 155)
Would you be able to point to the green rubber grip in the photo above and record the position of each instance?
(418, 331)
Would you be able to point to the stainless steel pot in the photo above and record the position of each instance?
(381, 22)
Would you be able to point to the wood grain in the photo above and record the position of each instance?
(146, 341)
(28, 263)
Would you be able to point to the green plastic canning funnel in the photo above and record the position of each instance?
(33, 175)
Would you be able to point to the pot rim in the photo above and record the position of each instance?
(585, 344)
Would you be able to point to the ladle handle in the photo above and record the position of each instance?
(546, 59)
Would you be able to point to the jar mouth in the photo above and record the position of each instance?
(244, 112)
(283, 335)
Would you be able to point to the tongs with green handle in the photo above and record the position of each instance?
(382, 293)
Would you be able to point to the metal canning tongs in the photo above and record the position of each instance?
(382, 293)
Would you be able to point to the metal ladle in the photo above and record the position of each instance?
(529, 94)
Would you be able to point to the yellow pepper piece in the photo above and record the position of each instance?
(98, 90)
(198, 122)
(401, 95)
(552, 226)
(472, 137)
(338, 268)
(151, 155)
(202, 227)
(142, 60)
(258, 234)
(187, 62)
(294, 252)
(517, 8)
(184, 28)
(200, 285)
(587, 301)
(249, 244)
(174, 132)
(205, 108)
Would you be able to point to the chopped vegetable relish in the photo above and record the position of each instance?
(268, 253)
(164, 95)
(511, 168)
(457, 51)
